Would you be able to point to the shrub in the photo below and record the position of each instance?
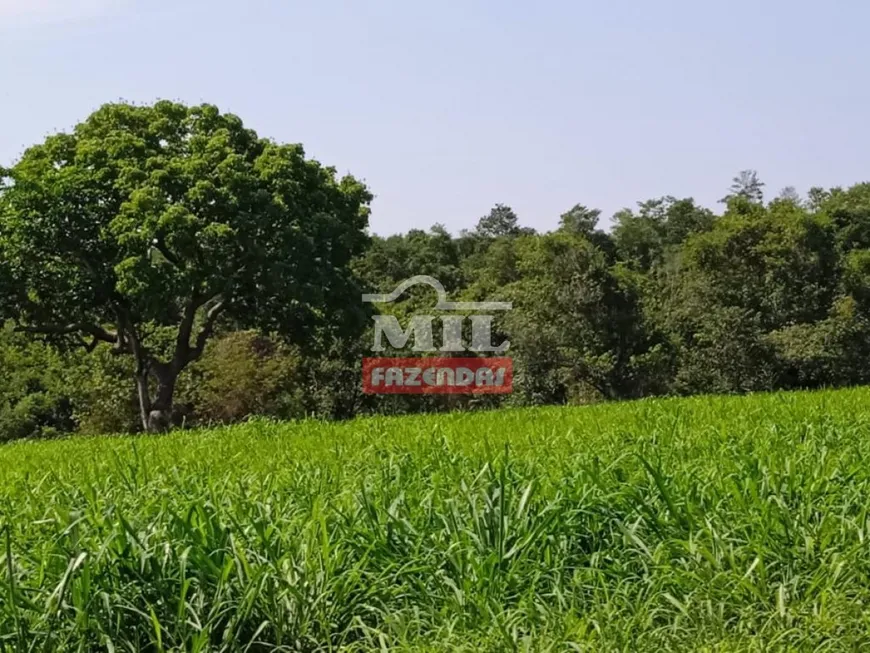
(242, 373)
(33, 400)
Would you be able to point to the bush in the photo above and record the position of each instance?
(103, 395)
(241, 374)
(33, 400)
(832, 352)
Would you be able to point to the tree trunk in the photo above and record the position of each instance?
(144, 398)
(161, 414)
(157, 415)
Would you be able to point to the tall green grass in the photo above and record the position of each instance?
(701, 524)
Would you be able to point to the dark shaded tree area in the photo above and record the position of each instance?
(165, 265)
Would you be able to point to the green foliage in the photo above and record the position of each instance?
(856, 277)
(185, 224)
(579, 220)
(32, 398)
(725, 351)
(575, 316)
(669, 525)
(148, 206)
(500, 221)
(832, 352)
(243, 374)
(101, 391)
(643, 239)
(746, 186)
(849, 211)
(166, 216)
(388, 260)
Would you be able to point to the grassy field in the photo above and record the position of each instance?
(701, 524)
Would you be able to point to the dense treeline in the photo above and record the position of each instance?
(674, 299)
(164, 265)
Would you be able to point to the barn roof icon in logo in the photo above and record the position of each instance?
(443, 304)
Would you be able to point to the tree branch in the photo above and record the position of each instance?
(128, 341)
(96, 331)
(207, 329)
(160, 246)
(185, 329)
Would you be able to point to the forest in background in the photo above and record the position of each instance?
(674, 299)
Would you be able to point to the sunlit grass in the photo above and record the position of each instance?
(697, 524)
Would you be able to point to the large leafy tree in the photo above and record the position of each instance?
(389, 261)
(575, 322)
(660, 226)
(748, 290)
(779, 262)
(579, 220)
(166, 218)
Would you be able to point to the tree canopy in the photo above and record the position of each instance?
(167, 216)
(187, 253)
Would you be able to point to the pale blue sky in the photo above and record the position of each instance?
(447, 108)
